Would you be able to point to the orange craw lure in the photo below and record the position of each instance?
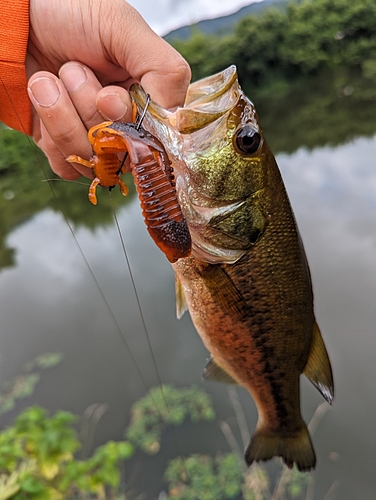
(153, 175)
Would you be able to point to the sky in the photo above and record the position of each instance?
(166, 15)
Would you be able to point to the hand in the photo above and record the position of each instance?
(98, 48)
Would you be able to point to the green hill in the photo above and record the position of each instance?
(223, 24)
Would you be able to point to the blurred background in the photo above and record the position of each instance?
(84, 334)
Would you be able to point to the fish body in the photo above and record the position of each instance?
(247, 284)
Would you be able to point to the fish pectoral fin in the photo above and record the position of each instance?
(223, 290)
(318, 369)
(181, 303)
(215, 373)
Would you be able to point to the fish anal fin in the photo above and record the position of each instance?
(215, 373)
(181, 303)
(294, 449)
(318, 369)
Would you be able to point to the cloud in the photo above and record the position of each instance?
(166, 15)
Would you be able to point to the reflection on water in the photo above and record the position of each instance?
(331, 108)
(50, 302)
(334, 196)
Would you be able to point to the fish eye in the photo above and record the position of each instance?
(247, 140)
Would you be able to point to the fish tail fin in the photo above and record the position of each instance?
(293, 448)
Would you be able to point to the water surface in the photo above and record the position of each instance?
(49, 301)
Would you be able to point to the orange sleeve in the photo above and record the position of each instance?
(15, 107)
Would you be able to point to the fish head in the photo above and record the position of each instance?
(221, 163)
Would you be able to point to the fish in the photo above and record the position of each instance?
(247, 283)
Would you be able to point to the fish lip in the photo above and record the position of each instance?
(140, 97)
(206, 101)
(211, 88)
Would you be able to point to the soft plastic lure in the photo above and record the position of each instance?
(153, 175)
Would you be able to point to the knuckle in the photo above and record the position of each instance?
(180, 72)
(56, 158)
(65, 136)
(90, 115)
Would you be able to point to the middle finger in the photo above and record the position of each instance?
(82, 87)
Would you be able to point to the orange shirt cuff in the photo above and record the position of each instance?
(15, 107)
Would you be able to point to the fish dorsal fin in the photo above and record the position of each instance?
(318, 369)
(181, 303)
(215, 373)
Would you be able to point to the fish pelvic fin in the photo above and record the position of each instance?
(318, 369)
(295, 448)
(216, 373)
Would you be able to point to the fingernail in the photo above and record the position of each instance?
(44, 91)
(73, 76)
(112, 107)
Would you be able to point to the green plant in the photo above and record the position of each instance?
(201, 477)
(304, 38)
(24, 384)
(38, 453)
(37, 460)
(163, 406)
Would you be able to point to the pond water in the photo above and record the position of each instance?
(49, 302)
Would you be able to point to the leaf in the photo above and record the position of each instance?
(48, 359)
(164, 406)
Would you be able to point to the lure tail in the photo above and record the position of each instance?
(293, 448)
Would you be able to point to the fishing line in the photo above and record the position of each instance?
(66, 180)
(125, 253)
(142, 316)
(108, 307)
(91, 272)
(138, 126)
(146, 331)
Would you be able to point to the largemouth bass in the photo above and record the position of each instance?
(247, 283)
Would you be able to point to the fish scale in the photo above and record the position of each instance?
(247, 283)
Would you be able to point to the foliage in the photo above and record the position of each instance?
(163, 406)
(24, 191)
(24, 384)
(38, 454)
(317, 48)
(340, 108)
(256, 484)
(296, 484)
(45, 360)
(304, 39)
(37, 460)
(310, 69)
(201, 477)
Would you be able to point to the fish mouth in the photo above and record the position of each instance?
(206, 101)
